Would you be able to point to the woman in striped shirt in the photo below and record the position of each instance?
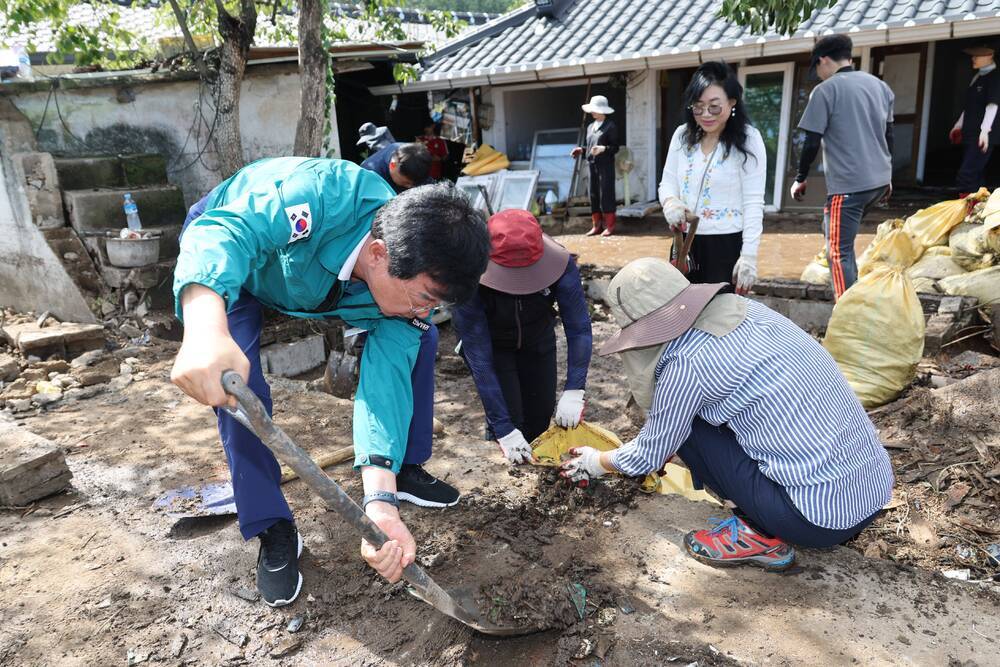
(756, 408)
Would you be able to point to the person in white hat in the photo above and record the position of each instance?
(508, 334)
(601, 147)
(756, 408)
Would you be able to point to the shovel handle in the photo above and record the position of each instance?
(251, 413)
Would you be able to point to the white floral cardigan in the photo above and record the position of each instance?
(732, 197)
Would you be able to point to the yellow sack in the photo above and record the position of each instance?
(936, 263)
(930, 226)
(991, 211)
(983, 284)
(549, 448)
(972, 246)
(896, 248)
(486, 160)
(876, 335)
(817, 271)
(882, 231)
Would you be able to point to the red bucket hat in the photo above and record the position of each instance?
(523, 260)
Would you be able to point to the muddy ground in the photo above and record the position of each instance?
(97, 576)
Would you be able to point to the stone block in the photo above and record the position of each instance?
(99, 210)
(31, 467)
(75, 258)
(290, 359)
(813, 316)
(819, 292)
(785, 289)
(577, 225)
(41, 184)
(144, 169)
(65, 339)
(950, 305)
(9, 368)
(81, 173)
(940, 329)
(101, 373)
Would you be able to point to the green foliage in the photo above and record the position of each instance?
(782, 16)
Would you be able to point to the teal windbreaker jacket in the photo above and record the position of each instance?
(282, 229)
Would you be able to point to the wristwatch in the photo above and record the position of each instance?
(381, 496)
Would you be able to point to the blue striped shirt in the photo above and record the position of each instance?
(789, 406)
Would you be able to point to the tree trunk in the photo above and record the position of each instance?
(312, 80)
(237, 37)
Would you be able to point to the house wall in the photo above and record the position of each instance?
(172, 118)
(522, 109)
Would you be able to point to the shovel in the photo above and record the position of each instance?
(682, 244)
(251, 413)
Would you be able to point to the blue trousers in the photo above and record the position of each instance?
(841, 221)
(717, 461)
(256, 475)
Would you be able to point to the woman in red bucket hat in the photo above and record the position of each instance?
(507, 333)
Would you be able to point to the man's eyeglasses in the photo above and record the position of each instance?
(700, 109)
(417, 311)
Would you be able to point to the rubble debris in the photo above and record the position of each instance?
(295, 624)
(9, 368)
(286, 647)
(31, 467)
(63, 339)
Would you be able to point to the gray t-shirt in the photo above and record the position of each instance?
(851, 110)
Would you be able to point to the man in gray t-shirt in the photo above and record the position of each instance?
(850, 114)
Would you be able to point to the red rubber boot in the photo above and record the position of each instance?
(598, 224)
(609, 224)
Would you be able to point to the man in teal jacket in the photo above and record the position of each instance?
(323, 238)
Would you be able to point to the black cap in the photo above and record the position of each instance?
(838, 47)
(980, 49)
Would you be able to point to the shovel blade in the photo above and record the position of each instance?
(460, 604)
(215, 499)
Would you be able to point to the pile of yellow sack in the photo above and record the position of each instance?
(486, 160)
(876, 332)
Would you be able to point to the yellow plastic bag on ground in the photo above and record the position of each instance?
(549, 448)
(983, 284)
(881, 232)
(972, 246)
(895, 248)
(817, 272)
(991, 211)
(930, 226)
(876, 334)
(936, 263)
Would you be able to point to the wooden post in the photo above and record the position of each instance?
(474, 108)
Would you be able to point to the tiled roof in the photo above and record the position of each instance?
(143, 21)
(606, 31)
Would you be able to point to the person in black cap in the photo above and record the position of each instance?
(974, 128)
(850, 114)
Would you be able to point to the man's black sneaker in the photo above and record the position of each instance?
(278, 577)
(416, 485)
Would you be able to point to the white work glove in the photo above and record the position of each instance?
(515, 447)
(583, 467)
(745, 273)
(675, 213)
(569, 412)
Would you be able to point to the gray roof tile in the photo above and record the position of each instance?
(610, 28)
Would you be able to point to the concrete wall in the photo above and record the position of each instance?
(164, 118)
(30, 273)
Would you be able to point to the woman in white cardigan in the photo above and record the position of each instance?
(716, 169)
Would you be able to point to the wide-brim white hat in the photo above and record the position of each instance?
(598, 104)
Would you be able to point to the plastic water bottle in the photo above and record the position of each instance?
(23, 63)
(132, 213)
(550, 201)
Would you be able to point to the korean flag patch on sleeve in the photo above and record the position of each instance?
(300, 220)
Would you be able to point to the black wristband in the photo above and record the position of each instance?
(381, 496)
